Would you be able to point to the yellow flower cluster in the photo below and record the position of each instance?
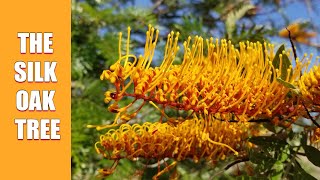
(194, 138)
(309, 85)
(315, 137)
(220, 80)
(214, 84)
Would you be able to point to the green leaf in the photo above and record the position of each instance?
(313, 154)
(268, 141)
(258, 157)
(286, 84)
(278, 167)
(300, 173)
(270, 127)
(285, 62)
(284, 156)
(292, 87)
(304, 139)
(263, 159)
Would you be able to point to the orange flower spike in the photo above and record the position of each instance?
(315, 136)
(309, 85)
(298, 33)
(211, 140)
(224, 80)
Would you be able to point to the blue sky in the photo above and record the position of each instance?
(298, 11)
(294, 10)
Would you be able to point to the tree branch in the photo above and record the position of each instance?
(292, 45)
(236, 162)
(311, 118)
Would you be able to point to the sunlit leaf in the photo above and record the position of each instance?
(300, 173)
(292, 87)
(285, 62)
(286, 84)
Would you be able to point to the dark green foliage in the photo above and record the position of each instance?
(313, 154)
(269, 155)
(277, 156)
(300, 173)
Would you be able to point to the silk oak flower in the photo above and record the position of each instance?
(315, 137)
(194, 138)
(309, 85)
(215, 84)
(213, 78)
